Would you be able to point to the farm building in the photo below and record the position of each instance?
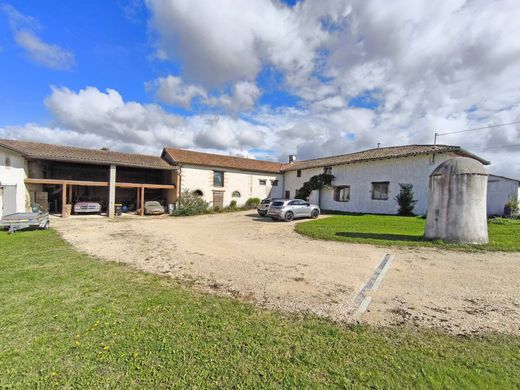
(58, 176)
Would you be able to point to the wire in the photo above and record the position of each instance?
(477, 128)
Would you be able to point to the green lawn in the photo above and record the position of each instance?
(68, 320)
(504, 234)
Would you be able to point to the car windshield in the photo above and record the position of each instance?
(265, 201)
(277, 204)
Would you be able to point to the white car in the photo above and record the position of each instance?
(291, 209)
(87, 206)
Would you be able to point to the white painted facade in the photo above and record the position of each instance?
(246, 183)
(500, 191)
(359, 176)
(13, 192)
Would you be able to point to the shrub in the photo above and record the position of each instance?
(233, 204)
(252, 203)
(314, 183)
(191, 204)
(405, 200)
(512, 208)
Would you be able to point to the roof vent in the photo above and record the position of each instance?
(292, 158)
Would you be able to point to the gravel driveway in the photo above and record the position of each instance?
(256, 259)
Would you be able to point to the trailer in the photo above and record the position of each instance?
(37, 219)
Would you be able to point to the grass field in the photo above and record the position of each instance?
(68, 320)
(504, 234)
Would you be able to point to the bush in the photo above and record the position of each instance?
(405, 200)
(512, 208)
(252, 203)
(233, 204)
(191, 204)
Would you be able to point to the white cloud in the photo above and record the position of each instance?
(174, 91)
(43, 53)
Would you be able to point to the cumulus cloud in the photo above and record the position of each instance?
(172, 90)
(43, 53)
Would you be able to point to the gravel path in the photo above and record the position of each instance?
(256, 259)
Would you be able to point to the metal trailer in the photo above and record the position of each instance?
(20, 221)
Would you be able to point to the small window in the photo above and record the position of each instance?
(7, 162)
(299, 173)
(218, 179)
(287, 194)
(235, 194)
(342, 194)
(262, 182)
(198, 193)
(327, 170)
(380, 190)
(274, 183)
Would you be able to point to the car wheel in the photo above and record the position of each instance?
(262, 213)
(315, 214)
(289, 216)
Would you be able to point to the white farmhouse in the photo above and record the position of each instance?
(368, 181)
(57, 176)
(221, 179)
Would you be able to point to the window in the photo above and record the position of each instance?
(235, 194)
(327, 170)
(7, 162)
(198, 193)
(287, 194)
(299, 173)
(218, 179)
(262, 182)
(380, 190)
(342, 194)
(274, 183)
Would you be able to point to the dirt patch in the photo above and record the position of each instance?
(266, 262)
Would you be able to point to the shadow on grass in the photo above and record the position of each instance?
(382, 236)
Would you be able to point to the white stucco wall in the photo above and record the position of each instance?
(359, 176)
(14, 175)
(500, 190)
(247, 183)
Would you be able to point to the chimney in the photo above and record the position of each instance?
(292, 158)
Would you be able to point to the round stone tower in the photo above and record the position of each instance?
(457, 202)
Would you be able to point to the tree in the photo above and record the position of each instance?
(405, 199)
(314, 183)
(512, 208)
(191, 204)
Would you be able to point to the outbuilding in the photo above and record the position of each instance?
(56, 176)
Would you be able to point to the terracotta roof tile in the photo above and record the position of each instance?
(43, 151)
(182, 156)
(378, 154)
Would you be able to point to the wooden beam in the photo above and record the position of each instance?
(137, 200)
(98, 183)
(63, 200)
(142, 201)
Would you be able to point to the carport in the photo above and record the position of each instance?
(57, 176)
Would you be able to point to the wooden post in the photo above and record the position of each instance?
(64, 200)
(70, 194)
(112, 192)
(137, 204)
(142, 201)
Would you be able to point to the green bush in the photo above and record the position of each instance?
(191, 204)
(252, 203)
(233, 204)
(315, 183)
(512, 208)
(405, 200)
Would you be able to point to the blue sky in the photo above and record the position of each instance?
(261, 79)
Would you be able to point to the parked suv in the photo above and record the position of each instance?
(291, 209)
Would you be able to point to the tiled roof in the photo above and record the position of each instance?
(182, 156)
(43, 151)
(379, 154)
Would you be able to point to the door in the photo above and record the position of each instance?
(287, 194)
(8, 200)
(218, 199)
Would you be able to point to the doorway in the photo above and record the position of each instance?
(218, 199)
(7, 200)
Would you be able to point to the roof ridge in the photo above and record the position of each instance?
(222, 155)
